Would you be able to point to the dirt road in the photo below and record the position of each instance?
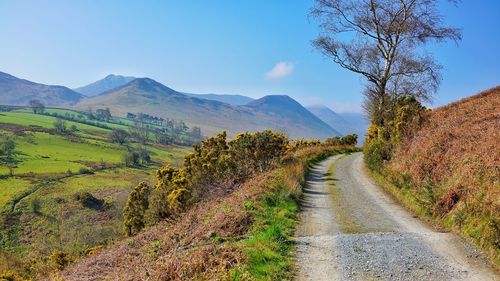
(350, 229)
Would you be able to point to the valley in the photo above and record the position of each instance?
(65, 191)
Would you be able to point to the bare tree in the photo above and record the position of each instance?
(382, 40)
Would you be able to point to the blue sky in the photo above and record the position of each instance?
(250, 47)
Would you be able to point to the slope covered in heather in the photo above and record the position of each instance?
(449, 169)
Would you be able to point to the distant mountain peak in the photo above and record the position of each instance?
(110, 82)
(274, 100)
(346, 123)
(284, 105)
(148, 85)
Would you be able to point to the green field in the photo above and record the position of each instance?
(24, 118)
(39, 209)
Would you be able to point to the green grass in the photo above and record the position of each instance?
(100, 181)
(38, 201)
(268, 249)
(12, 187)
(28, 119)
(43, 153)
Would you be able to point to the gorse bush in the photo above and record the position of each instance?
(10, 275)
(169, 193)
(406, 116)
(351, 139)
(256, 152)
(135, 209)
(214, 167)
(59, 260)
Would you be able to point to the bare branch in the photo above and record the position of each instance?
(383, 41)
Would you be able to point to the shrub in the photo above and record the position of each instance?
(59, 260)
(87, 200)
(131, 158)
(135, 209)
(257, 152)
(162, 203)
(215, 166)
(351, 139)
(375, 153)
(10, 275)
(85, 171)
(144, 155)
(408, 115)
(298, 144)
(35, 206)
(60, 126)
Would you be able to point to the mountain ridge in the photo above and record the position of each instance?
(345, 123)
(230, 99)
(148, 95)
(109, 82)
(18, 91)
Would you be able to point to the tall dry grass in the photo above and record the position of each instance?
(452, 168)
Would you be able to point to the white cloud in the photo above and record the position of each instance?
(280, 70)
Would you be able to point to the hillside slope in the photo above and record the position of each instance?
(107, 83)
(289, 110)
(16, 91)
(450, 169)
(149, 96)
(230, 99)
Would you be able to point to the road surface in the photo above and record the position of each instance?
(350, 229)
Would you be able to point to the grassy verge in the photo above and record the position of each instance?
(405, 197)
(269, 249)
(476, 228)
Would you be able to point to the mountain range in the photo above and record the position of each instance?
(345, 122)
(147, 95)
(212, 112)
(16, 91)
(113, 81)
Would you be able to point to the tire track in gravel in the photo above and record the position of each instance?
(350, 229)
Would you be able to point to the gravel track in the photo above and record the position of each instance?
(350, 229)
